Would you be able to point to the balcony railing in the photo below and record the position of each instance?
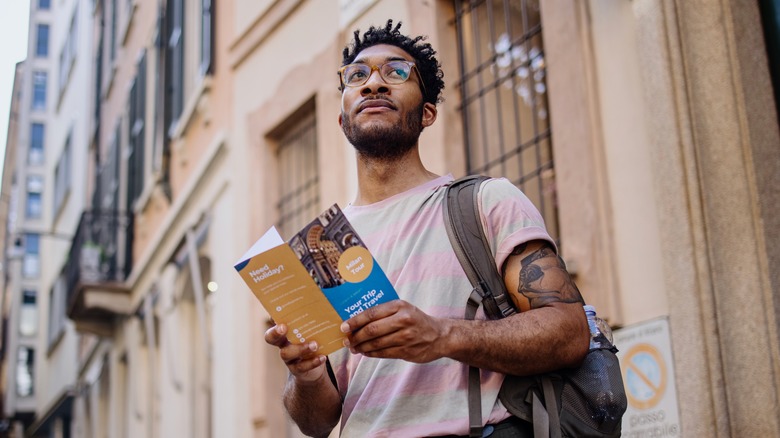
(100, 259)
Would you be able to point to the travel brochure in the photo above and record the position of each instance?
(323, 276)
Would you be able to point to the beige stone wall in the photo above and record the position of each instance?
(666, 157)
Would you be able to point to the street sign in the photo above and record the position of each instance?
(648, 375)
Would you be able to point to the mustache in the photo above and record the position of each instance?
(382, 97)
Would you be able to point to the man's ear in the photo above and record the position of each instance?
(428, 114)
(340, 123)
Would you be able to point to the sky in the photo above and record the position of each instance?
(14, 16)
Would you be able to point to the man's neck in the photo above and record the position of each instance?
(381, 179)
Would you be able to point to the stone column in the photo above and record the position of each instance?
(714, 123)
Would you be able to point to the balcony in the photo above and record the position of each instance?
(98, 264)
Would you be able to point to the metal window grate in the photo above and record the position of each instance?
(174, 67)
(299, 187)
(136, 135)
(504, 97)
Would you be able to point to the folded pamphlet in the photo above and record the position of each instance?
(323, 276)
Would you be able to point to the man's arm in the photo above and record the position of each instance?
(551, 331)
(309, 396)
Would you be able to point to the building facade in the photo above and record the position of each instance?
(26, 231)
(51, 148)
(646, 132)
(18, 373)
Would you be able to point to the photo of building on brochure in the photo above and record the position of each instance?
(319, 246)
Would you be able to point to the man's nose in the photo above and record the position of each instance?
(374, 85)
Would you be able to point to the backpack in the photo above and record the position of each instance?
(588, 401)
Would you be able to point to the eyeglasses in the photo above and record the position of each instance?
(393, 72)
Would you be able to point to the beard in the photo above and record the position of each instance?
(385, 143)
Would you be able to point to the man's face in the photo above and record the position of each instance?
(381, 120)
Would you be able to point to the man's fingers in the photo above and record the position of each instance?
(289, 352)
(293, 353)
(301, 359)
(276, 335)
(302, 366)
(372, 314)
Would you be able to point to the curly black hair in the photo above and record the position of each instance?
(423, 53)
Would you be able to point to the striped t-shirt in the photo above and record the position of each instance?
(406, 234)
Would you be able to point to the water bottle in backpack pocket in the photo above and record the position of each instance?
(587, 401)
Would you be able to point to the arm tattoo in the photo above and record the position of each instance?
(544, 279)
(519, 249)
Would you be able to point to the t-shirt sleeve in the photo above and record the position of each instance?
(509, 218)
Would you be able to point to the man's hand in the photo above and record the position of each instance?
(302, 359)
(309, 396)
(396, 330)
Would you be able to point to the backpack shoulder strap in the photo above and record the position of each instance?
(464, 229)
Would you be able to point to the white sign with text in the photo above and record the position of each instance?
(648, 375)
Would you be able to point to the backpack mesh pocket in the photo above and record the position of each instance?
(593, 394)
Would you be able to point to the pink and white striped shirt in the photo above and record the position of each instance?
(406, 235)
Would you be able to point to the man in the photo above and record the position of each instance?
(405, 370)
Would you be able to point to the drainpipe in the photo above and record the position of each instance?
(151, 341)
(200, 308)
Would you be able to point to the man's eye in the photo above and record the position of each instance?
(398, 73)
(355, 75)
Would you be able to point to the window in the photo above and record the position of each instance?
(39, 90)
(44, 4)
(57, 300)
(504, 97)
(198, 353)
(206, 36)
(25, 367)
(174, 98)
(107, 47)
(37, 137)
(62, 175)
(159, 115)
(33, 206)
(126, 16)
(68, 52)
(104, 408)
(31, 261)
(112, 47)
(106, 194)
(299, 195)
(136, 128)
(123, 390)
(42, 41)
(28, 314)
(64, 427)
(770, 16)
(110, 176)
(99, 69)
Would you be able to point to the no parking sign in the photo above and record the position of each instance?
(648, 374)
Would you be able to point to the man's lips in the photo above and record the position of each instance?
(375, 104)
